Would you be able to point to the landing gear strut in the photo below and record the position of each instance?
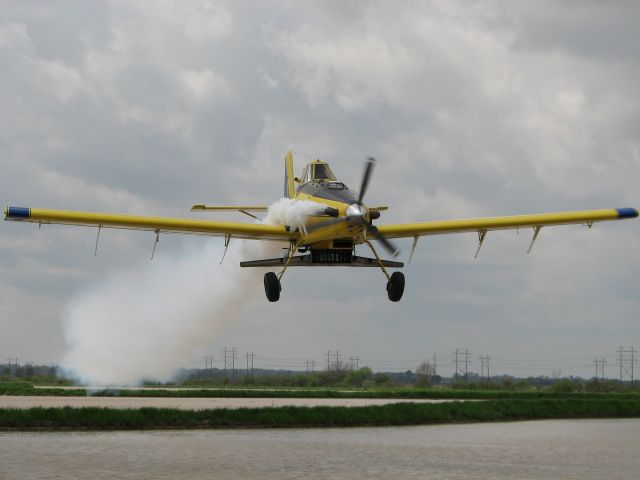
(395, 286)
(272, 286)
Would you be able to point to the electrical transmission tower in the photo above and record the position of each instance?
(208, 366)
(15, 364)
(462, 366)
(484, 364)
(230, 360)
(599, 363)
(627, 360)
(337, 361)
(249, 356)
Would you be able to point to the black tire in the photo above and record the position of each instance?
(272, 286)
(395, 286)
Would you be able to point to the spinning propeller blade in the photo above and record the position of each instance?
(388, 246)
(368, 170)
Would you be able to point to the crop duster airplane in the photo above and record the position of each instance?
(329, 236)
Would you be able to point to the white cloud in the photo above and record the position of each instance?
(202, 85)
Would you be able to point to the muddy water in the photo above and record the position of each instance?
(551, 449)
(193, 403)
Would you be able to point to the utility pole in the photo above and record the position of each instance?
(484, 363)
(435, 371)
(225, 362)
(455, 375)
(356, 361)
(599, 363)
(328, 360)
(337, 352)
(249, 355)
(310, 364)
(234, 350)
(466, 365)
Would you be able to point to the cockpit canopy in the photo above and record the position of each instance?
(317, 171)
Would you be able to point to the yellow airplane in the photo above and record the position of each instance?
(328, 237)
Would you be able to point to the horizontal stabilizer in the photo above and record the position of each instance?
(230, 208)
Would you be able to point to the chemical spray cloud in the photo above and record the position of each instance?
(147, 323)
(288, 211)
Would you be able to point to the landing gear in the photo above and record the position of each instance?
(395, 286)
(272, 286)
(395, 281)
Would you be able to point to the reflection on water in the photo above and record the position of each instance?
(567, 449)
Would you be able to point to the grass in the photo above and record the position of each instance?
(24, 388)
(386, 415)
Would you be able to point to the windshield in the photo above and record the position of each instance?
(322, 172)
(317, 172)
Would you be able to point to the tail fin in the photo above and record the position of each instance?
(289, 187)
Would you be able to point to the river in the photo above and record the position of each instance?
(550, 449)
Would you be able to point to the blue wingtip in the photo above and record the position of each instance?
(18, 212)
(627, 212)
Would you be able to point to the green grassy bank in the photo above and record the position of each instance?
(387, 415)
(23, 388)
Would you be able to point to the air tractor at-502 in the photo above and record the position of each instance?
(328, 234)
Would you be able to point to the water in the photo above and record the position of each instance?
(551, 449)
(196, 403)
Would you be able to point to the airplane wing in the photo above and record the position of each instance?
(255, 231)
(480, 225)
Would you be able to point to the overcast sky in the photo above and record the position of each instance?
(472, 108)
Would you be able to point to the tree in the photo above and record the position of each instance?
(357, 377)
(425, 374)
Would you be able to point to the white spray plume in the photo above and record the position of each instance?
(291, 212)
(149, 322)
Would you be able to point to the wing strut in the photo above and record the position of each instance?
(413, 247)
(155, 244)
(95, 252)
(227, 240)
(481, 235)
(536, 231)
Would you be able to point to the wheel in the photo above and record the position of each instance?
(272, 286)
(395, 286)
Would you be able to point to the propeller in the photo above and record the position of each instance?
(368, 170)
(388, 246)
(356, 213)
